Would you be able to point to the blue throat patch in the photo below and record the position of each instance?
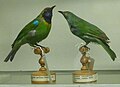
(36, 22)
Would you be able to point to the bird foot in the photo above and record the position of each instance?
(86, 47)
(40, 46)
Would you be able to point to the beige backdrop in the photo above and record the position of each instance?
(64, 55)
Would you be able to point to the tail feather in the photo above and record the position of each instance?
(11, 55)
(108, 50)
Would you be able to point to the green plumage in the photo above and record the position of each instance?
(88, 32)
(34, 32)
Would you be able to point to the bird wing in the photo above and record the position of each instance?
(29, 27)
(104, 45)
(94, 31)
(95, 38)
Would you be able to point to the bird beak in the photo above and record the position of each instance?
(63, 13)
(60, 12)
(53, 6)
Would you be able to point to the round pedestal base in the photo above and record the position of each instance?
(41, 77)
(84, 76)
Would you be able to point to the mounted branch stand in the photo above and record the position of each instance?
(86, 74)
(43, 76)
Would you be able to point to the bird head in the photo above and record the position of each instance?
(47, 14)
(68, 16)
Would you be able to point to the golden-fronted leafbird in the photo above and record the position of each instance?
(88, 32)
(34, 32)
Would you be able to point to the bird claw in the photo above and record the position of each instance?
(39, 45)
(86, 47)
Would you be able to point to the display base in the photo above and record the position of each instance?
(84, 76)
(41, 77)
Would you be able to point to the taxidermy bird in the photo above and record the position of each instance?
(88, 32)
(33, 33)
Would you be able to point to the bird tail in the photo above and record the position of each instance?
(11, 54)
(108, 49)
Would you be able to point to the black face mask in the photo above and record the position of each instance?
(48, 15)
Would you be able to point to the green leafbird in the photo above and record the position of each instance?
(88, 32)
(34, 32)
